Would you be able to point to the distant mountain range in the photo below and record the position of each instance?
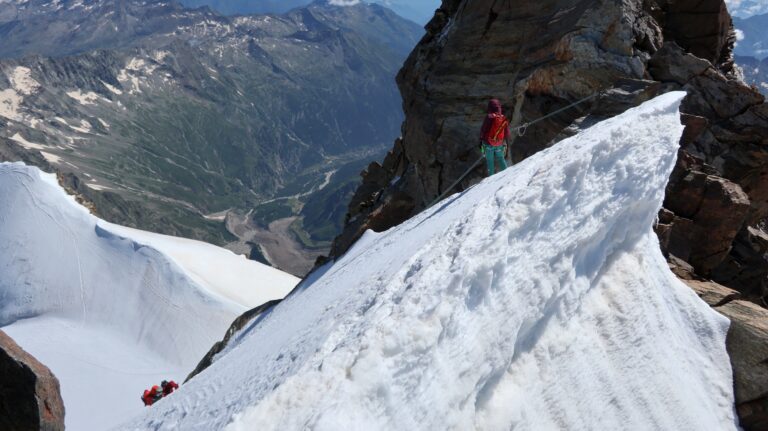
(167, 117)
(752, 35)
(755, 72)
(747, 8)
(751, 50)
(419, 11)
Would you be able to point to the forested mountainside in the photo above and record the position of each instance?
(168, 117)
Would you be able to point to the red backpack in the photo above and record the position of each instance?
(496, 132)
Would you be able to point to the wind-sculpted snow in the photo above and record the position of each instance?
(111, 310)
(536, 300)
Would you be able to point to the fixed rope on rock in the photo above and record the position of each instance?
(520, 131)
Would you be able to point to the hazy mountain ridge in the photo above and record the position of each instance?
(755, 72)
(66, 27)
(219, 113)
(752, 36)
(419, 11)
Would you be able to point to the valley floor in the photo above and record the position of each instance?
(276, 243)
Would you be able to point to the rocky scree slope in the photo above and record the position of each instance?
(541, 56)
(170, 114)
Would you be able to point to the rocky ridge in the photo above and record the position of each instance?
(745, 343)
(628, 53)
(538, 57)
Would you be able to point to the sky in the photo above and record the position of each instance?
(747, 8)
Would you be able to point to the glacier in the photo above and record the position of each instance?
(536, 300)
(112, 310)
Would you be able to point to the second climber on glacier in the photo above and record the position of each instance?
(494, 137)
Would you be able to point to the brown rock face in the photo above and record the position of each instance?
(540, 56)
(747, 345)
(535, 56)
(707, 214)
(30, 398)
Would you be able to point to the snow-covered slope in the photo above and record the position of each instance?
(537, 300)
(112, 310)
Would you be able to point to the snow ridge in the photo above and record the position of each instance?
(536, 300)
(100, 303)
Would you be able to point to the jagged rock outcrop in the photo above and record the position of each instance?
(30, 398)
(247, 318)
(538, 57)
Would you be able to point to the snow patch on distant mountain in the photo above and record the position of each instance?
(112, 310)
(536, 300)
(11, 99)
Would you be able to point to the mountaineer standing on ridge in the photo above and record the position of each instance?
(494, 137)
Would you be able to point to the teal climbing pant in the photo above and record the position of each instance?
(491, 155)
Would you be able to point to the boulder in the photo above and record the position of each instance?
(672, 63)
(705, 214)
(747, 345)
(746, 267)
(748, 348)
(30, 397)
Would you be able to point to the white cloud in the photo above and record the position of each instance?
(344, 2)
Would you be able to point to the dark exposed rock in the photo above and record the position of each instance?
(632, 51)
(746, 267)
(244, 319)
(708, 213)
(747, 346)
(30, 397)
(672, 63)
(701, 27)
(538, 57)
(486, 50)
